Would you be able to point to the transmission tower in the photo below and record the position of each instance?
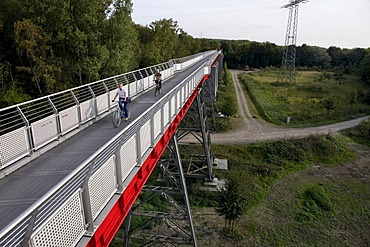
(288, 70)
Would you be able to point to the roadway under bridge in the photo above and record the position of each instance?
(68, 177)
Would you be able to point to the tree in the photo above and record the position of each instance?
(121, 39)
(365, 68)
(164, 39)
(231, 203)
(32, 45)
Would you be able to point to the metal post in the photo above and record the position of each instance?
(137, 88)
(107, 91)
(59, 129)
(162, 119)
(78, 107)
(94, 98)
(87, 202)
(195, 125)
(126, 237)
(118, 165)
(175, 217)
(29, 230)
(204, 129)
(152, 131)
(183, 188)
(138, 147)
(28, 129)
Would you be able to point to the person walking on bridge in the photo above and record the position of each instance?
(158, 82)
(124, 101)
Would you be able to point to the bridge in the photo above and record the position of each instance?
(69, 178)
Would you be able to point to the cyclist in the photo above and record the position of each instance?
(158, 81)
(124, 101)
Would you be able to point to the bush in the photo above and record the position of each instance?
(314, 202)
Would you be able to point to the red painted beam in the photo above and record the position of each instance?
(111, 224)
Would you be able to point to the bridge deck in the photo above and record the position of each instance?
(22, 188)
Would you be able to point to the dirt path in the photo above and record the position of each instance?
(256, 130)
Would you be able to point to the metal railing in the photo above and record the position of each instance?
(29, 126)
(68, 211)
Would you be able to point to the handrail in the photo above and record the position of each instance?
(92, 157)
(135, 85)
(91, 83)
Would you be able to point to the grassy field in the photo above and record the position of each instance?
(313, 191)
(309, 192)
(316, 98)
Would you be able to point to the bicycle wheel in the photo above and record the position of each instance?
(116, 118)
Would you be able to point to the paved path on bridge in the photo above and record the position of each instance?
(253, 130)
(22, 188)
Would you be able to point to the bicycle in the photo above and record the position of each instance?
(158, 87)
(117, 115)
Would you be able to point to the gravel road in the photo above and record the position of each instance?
(256, 130)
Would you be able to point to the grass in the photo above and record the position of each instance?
(316, 98)
(227, 103)
(301, 193)
(360, 133)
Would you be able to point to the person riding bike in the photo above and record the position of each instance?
(124, 101)
(158, 81)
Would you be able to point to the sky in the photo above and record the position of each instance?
(342, 23)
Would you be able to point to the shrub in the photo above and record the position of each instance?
(314, 202)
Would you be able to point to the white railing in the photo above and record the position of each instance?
(29, 126)
(68, 211)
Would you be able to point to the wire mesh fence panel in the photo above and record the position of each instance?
(128, 157)
(14, 145)
(145, 137)
(102, 186)
(65, 228)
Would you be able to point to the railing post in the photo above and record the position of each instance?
(57, 117)
(108, 94)
(118, 164)
(94, 99)
(78, 107)
(152, 131)
(138, 147)
(137, 88)
(162, 119)
(87, 202)
(31, 145)
(29, 230)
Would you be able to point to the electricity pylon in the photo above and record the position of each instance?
(288, 70)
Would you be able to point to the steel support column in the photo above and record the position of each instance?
(175, 213)
(194, 134)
